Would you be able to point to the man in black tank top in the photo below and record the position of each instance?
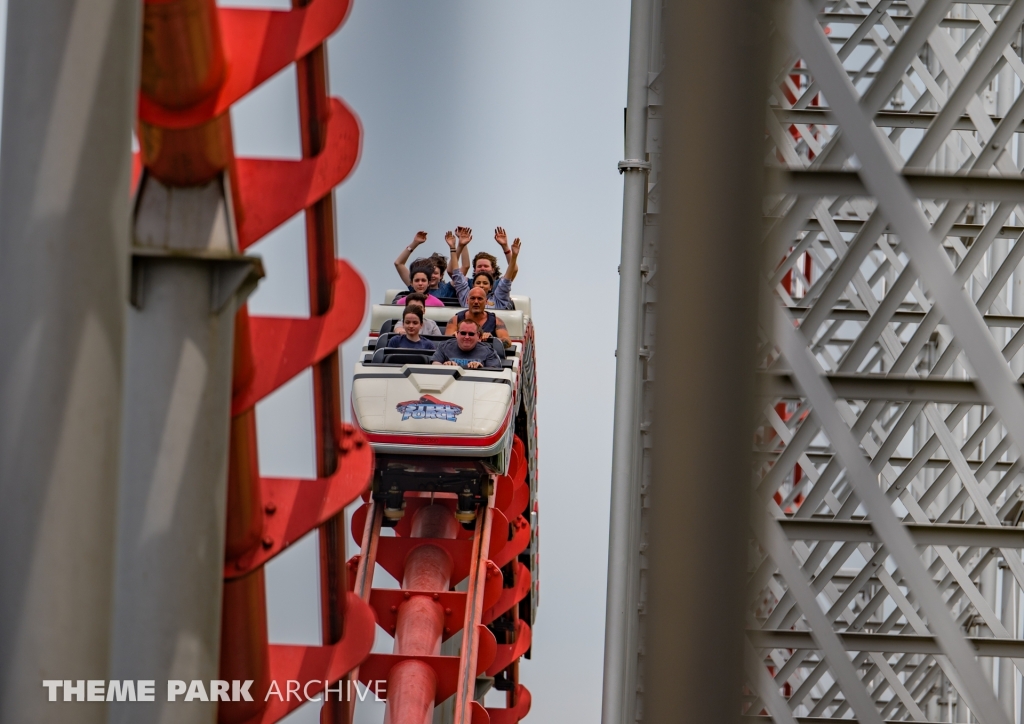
(487, 326)
(489, 323)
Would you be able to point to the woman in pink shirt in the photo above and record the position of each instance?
(420, 283)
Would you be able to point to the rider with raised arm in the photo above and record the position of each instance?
(437, 286)
(498, 290)
(420, 278)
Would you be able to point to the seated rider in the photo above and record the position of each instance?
(482, 261)
(412, 301)
(437, 286)
(498, 293)
(412, 324)
(466, 349)
(420, 281)
(477, 312)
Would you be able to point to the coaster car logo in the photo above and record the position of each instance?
(428, 408)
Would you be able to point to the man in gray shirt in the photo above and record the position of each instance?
(466, 350)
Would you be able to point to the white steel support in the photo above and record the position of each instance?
(892, 280)
(187, 283)
(622, 623)
(69, 100)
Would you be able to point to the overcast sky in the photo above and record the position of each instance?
(480, 113)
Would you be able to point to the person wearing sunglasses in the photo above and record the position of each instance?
(466, 350)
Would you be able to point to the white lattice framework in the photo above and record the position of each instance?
(886, 572)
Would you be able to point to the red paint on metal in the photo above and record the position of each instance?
(519, 542)
(492, 586)
(513, 714)
(510, 596)
(182, 53)
(386, 602)
(420, 623)
(257, 44)
(273, 191)
(392, 551)
(268, 191)
(520, 500)
(284, 347)
(416, 500)
(412, 685)
(136, 171)
(293, 507)
(313, 665)
(504, 488)
(244, 650)
(183, 64)
(478, 644)
(189, 157)
(477, 714)
(507, 653)
(245, 515)
(445, 668)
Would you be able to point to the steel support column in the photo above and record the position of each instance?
(621, 625)
(716, 56)
(173, 506)
(69, 92)
(188, 281)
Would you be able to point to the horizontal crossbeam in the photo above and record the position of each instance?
(926, 186)
(922, 534)
(883, 643)
(891, 388)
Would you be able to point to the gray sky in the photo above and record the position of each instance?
(479, 113)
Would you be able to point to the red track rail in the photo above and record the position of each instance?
(496, 583)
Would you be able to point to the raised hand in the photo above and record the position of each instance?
(449, 239)
(465, 235)
(502, 238)
(515, 247)
(420, 238)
